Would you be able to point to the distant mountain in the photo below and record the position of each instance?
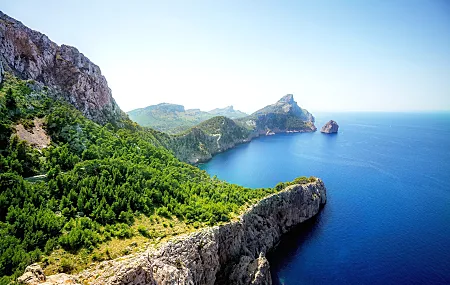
(286, 106)
(228, 112)
(220, 133)
(283, 116)
(173, 118)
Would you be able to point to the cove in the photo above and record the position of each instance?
(388, 211)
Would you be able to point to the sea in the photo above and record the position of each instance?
(387, 217)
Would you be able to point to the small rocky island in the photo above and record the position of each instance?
(330, 128)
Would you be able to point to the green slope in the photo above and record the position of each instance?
(99, 181)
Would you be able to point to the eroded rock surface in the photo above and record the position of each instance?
(36, 136)
(233, 253)
(330, 127)
(68, 74)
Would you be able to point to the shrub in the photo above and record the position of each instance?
(144, 231)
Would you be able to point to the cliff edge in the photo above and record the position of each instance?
(233, 253)
(67, 73)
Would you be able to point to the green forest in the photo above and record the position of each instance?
(95, 181)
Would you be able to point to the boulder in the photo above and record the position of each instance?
(33, 275)
(330, 128)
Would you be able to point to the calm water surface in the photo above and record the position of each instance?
(387, 220)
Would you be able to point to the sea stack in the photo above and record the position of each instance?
(330, 128)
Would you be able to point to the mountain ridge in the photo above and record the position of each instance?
(219, 134)
(63, 70)
(174, 118)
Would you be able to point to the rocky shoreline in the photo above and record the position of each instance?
(233, 253)
(199, 159)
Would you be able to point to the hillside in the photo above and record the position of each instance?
(212, 136)
(79, 181)
(102, 188)
(174, 119)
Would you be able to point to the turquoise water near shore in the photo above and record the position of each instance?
(387, 219)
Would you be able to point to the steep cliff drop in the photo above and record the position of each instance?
(68, 74)
(233, 253)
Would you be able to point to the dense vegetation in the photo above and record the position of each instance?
(98, 179)
(299, 180)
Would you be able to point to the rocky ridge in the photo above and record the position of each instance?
(66, 72)
(220, 133)
(285, 116)
(233, 253)
(287, 105)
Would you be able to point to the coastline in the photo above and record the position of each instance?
(252, 137)
(232, 253)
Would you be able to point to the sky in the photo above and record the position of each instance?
(385, 55)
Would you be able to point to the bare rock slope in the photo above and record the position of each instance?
(233, 253)
(70, 75)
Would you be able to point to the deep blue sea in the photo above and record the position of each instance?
(387, 219)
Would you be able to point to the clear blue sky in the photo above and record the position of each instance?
(383, 55)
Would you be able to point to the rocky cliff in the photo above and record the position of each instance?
(218, 134)
(233, 253)
(282, 117)
(212, 136)
(331, 127)
(68, 74)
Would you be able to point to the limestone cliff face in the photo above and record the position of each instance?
(68, 73)
(331, 127)
(285, 116)
(233, 253)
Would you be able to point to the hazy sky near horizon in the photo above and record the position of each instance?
(384, 55)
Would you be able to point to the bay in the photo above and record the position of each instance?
(387, 219)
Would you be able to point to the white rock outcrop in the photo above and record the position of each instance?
(233, 253)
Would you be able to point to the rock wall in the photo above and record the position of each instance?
(70, 75)
(233, 253)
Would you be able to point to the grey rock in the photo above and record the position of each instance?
(33, 275)
(68, 74)
(2, 72)
(251, 271)
(61, 279)
(233, 253)
(330, 127)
